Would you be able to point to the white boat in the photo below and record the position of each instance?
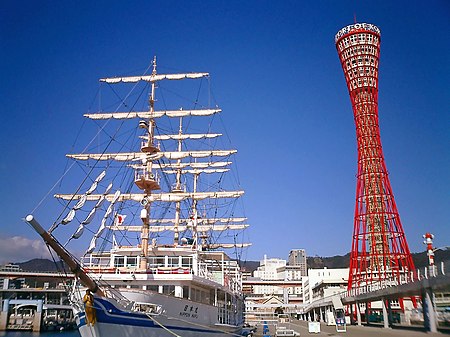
(157, 262)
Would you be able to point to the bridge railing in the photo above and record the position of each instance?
(417, 275)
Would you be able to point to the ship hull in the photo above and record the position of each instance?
(111, 329)
(112, 321)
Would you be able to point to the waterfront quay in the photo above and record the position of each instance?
(34, 301)
(35, 309)
(372, 330)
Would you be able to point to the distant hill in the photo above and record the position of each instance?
(42, 265)
(314, 262)
(337, 261)
(420, 260)
(250, 266)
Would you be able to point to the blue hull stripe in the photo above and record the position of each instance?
(109, 314)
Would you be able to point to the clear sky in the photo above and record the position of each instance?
(277, 77)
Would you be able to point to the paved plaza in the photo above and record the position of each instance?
(357, 331)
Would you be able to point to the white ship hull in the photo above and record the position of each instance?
(105, 329)
(196, 320)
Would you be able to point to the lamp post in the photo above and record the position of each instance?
(430, 252)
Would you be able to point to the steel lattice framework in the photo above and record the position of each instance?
(380, 253)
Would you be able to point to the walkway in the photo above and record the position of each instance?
(423, 287)
(357, 331)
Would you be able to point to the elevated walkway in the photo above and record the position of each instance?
(337, 303)
(423, 288)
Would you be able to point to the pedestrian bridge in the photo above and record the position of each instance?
(416, 286)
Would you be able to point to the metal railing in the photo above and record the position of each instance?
(413, 276)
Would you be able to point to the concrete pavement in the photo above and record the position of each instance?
(356, 331)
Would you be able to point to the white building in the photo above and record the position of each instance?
(267, 269)
(324, 282)
(274, 284)
(5, 282)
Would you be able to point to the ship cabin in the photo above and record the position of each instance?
(207, 277)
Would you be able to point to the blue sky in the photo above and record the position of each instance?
(276, 75)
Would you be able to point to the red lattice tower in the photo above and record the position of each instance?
(380, 253)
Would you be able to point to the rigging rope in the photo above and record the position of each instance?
(204, 326)
(162, 326)
(55, 224)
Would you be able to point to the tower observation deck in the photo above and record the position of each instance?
(380, 253)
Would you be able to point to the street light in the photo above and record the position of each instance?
(430, 251)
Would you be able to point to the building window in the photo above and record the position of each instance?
(168, 289)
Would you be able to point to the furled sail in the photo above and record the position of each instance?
(103, 223)
(228, 245)
(184, 165)
(180, 228)
(204, 221)
(140, 155)
(153, 114)
(197, 171)
(95, 183)
(81, 201)
(167, 197)
(89, 217)
(153, 78)
(69, 217)
(91, 214)
(187, 136)
(78, 232)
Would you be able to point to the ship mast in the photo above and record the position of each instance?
(178, 188)
(195, 214)
(145, 179)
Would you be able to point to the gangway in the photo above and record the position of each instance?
(339, 314)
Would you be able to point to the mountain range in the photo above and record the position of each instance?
(313, 262)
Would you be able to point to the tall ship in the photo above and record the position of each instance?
(158, 212)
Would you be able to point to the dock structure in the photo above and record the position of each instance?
(42, 307)
(423, 289)
(35, 309)
(327, 301)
